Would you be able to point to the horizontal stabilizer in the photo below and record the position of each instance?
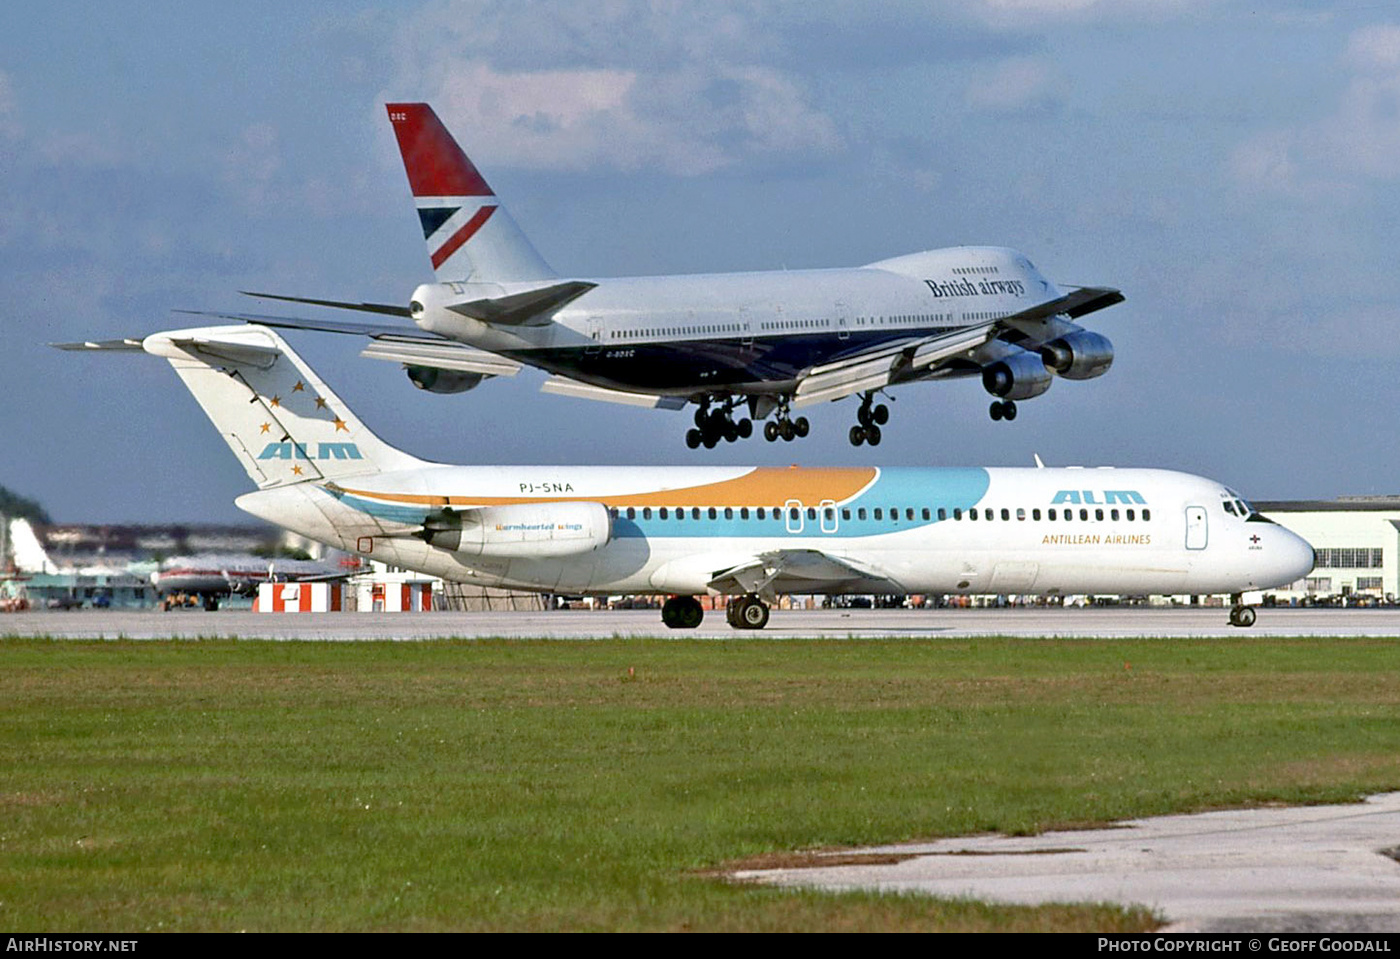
(373, 330)
(281, 421)
(388, 309)
(563, 386)
(128, 345)
(226, 350)
(531, 308)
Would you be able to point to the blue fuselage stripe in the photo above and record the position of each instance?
(894, 493)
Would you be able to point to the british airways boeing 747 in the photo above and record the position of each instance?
(740, 347)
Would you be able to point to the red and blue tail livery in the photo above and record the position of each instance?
(469, 236)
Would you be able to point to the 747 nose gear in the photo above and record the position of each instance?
(1003, 410)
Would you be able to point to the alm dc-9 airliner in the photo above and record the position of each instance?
(740, 347)
(746, 533)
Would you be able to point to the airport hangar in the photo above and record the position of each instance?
(1357, 543)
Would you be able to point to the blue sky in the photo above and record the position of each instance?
(1233, 167)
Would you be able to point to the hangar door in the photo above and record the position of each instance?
(1196, 527)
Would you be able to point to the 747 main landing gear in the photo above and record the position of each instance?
(713, 426)
(785, 426)
(871, 419)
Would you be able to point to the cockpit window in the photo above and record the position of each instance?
(1229, 507)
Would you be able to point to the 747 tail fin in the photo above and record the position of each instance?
(470, 235)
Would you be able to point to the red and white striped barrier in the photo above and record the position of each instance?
(298, 598)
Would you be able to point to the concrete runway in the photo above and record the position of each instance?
(1103, 623)
(1310, 869)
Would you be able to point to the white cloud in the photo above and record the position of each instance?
(1358, 142)
(1375, 48)
(1017, 84)
(1024, 12)
(629, 86)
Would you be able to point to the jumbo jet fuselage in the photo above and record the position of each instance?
(752, 333)
(774, 342)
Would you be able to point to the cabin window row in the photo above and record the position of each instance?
(678, 331)
(880, 513)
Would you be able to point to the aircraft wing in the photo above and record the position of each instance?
(882, 365)
(563, 386)
(1080, 301)
(915, 357)
(799, 571)
(439, 354)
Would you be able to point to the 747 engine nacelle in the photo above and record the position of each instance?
(520, 531)
(1018, 377)
(1081, 355)
(437, 380)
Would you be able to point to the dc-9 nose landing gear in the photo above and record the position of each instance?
(1240, 614)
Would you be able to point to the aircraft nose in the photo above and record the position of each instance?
(1296, 557)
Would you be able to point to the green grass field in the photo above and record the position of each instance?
(214, 785)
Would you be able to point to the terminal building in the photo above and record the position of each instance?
(1356, 539)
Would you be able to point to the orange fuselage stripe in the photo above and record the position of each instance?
(761, 487)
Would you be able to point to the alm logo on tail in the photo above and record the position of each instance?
(300, 451)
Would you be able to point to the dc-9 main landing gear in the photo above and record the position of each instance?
(747, 612)
(871, 418)
(682, 612)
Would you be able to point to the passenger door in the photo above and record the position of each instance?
(1197, 533)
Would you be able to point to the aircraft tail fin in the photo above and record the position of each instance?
(282, 422)
(470, 235)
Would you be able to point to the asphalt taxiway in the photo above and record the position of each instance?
(1308, 869)
(1024, 622)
